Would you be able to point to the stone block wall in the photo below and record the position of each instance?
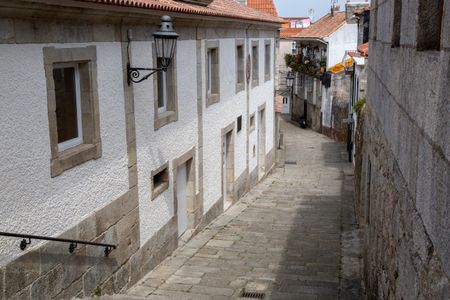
(49, 271)
(403, 165)
(340, 93)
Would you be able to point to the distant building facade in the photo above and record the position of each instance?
(317, 93)
(403, 169)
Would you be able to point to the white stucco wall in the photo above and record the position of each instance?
(31, 201)
(342, 40)
(218, 116)
(154, 148)
(232, 105)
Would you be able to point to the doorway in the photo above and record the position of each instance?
(261, 143)
(286, 105)
(227, 167)
(184, 192)
(182, 214)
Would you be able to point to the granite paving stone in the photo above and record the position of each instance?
(283, 238)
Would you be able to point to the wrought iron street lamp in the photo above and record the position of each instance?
(165, 44)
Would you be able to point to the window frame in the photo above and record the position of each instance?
(240, 86)
(157, 190)
(91, 147)
(267, 60)
(212, 81)
(63, 146)
(255, 63)
(169, 112)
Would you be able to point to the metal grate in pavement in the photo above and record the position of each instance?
(252, 295)
(290, 162)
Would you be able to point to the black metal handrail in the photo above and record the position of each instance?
(72, 246)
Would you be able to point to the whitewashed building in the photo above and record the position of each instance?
(86, 155)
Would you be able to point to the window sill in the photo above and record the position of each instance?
(167, 117)
(158, 190)
(75, 156)
(240, 86)
(212, 99)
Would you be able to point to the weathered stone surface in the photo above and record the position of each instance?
(21, 272)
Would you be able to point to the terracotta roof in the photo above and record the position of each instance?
(266, 6)
(364, 49)
(217, 8)
(324, 27)
(290, 32)
(279, 104)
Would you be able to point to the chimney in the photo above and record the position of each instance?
(334, 9)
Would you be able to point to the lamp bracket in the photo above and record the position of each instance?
(134, 74)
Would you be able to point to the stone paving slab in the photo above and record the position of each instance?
(283, 238)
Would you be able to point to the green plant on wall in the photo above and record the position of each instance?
(98, 292)
(359, 105)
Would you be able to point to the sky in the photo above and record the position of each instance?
(300, 8)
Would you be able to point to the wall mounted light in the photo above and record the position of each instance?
(165, 44)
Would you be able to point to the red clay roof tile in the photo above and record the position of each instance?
(266, 6)
(290, 32)
(324, 27)
(217, 8)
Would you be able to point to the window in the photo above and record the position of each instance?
(68, 105)
(160, 180)
(240, 66)
(239, 123)
(212, 72)
(72, 106)
(294, 47)
(397, 24)
(255, 64)
(267, 61)
(166, 104)
(252, 122)
(430, 24)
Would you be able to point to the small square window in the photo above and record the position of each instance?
(160, 180)
(239, 123)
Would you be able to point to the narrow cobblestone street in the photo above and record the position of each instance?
(283, 239)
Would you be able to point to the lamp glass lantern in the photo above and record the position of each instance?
(290, 79)
(165, 42)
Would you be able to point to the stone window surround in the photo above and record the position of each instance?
(213, 98)
(250, 125)
(267, 73)
(240, 86)
(255, 81)
(156, 191)
(171, 115)
(91, 147)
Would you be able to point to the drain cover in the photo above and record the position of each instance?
(289, 162)
(252, 295)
